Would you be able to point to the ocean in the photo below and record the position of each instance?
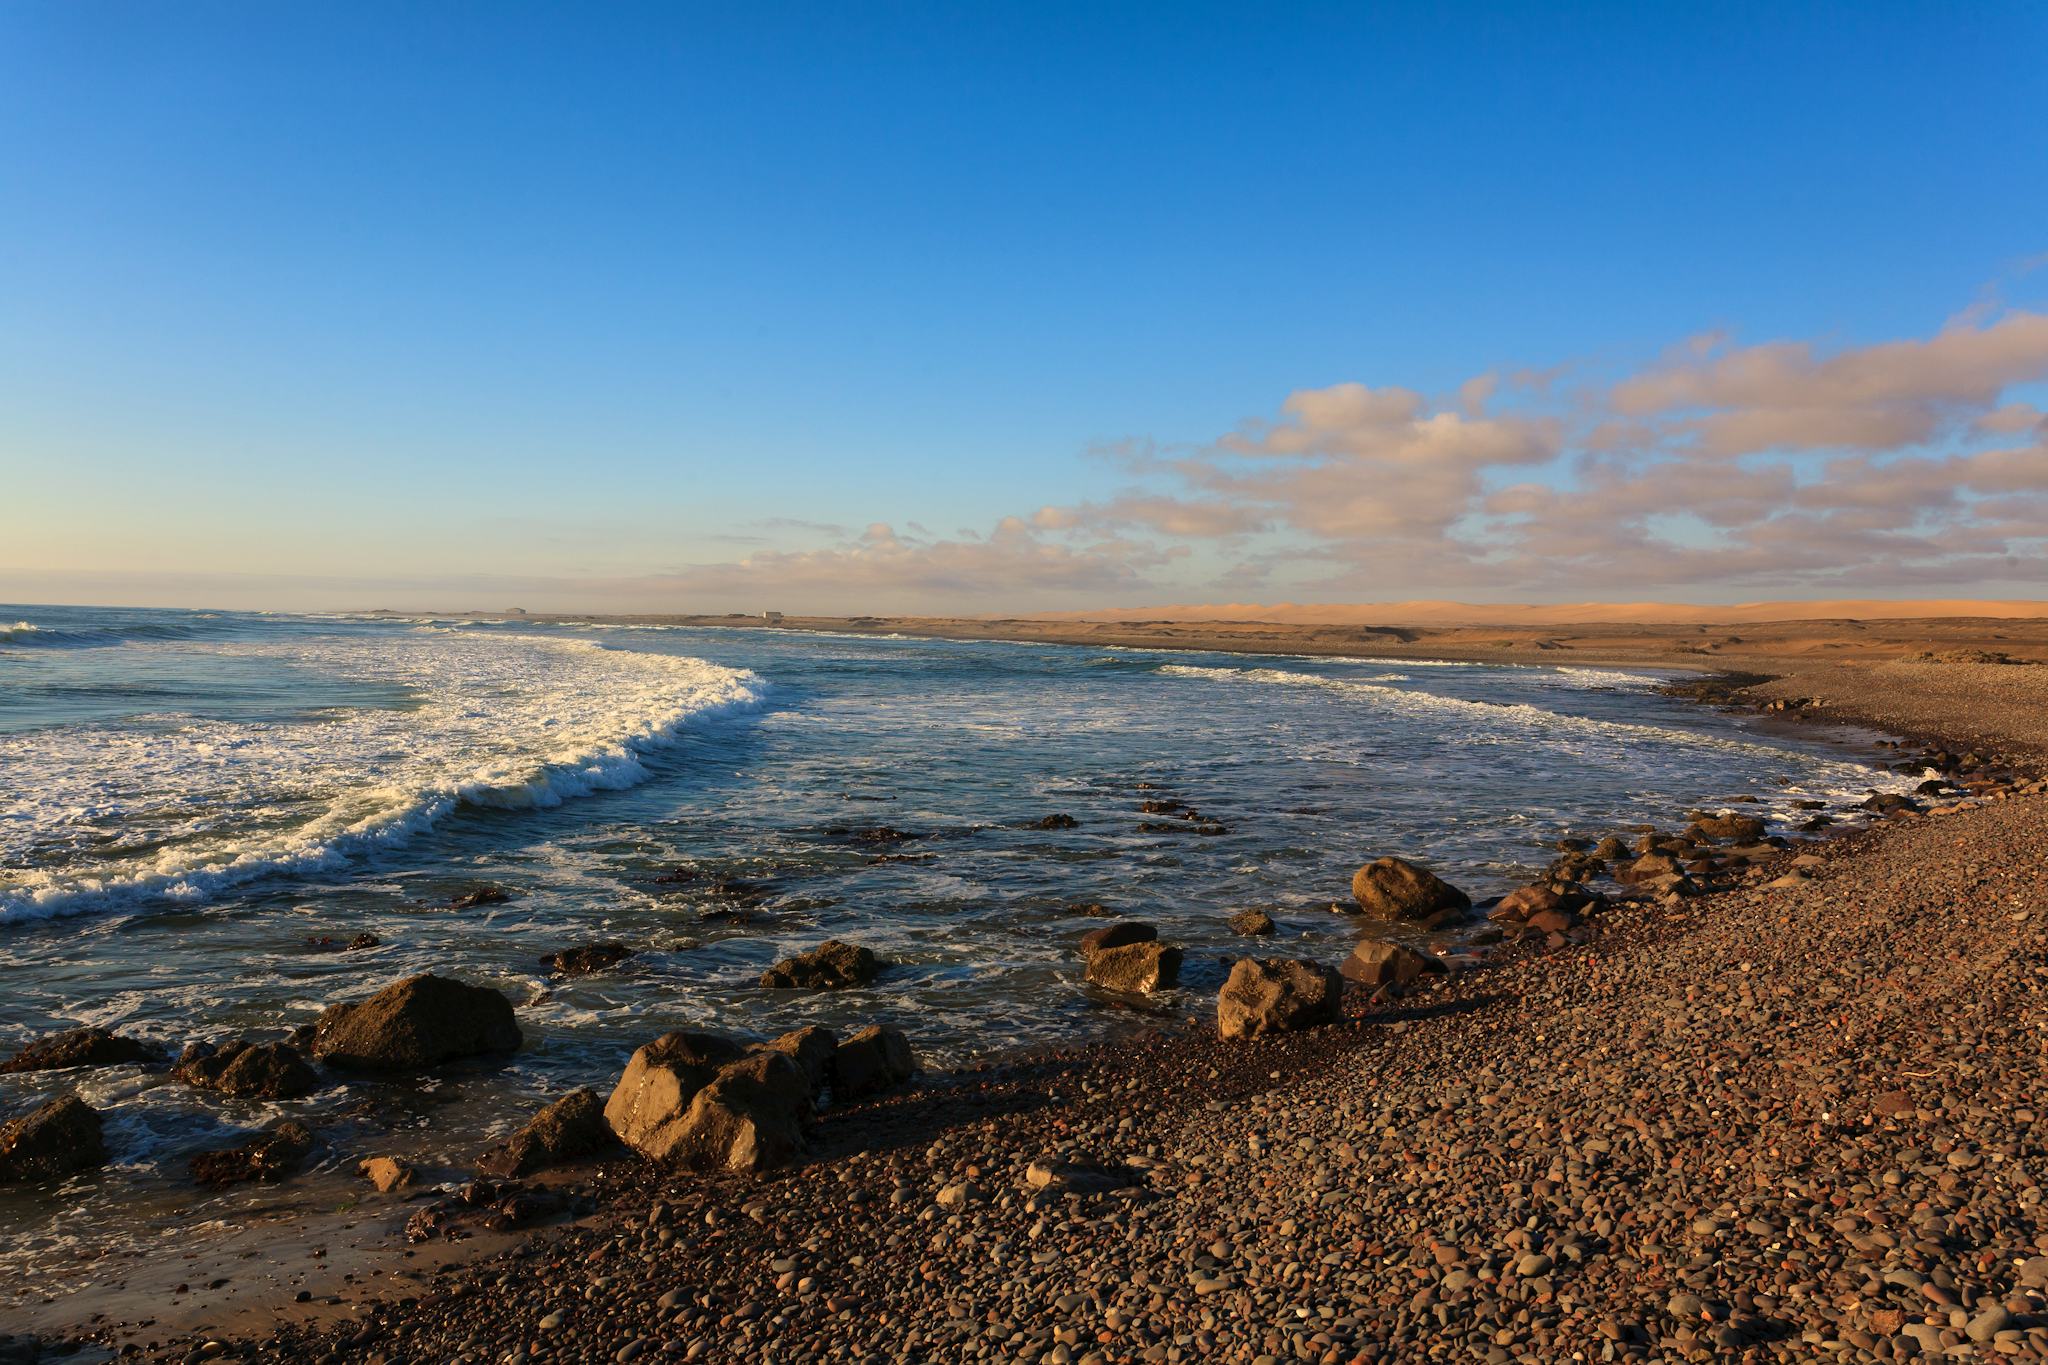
(197, 808)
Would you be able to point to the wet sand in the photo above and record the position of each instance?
(1774, 1122)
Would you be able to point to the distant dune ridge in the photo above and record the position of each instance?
(1429, 613)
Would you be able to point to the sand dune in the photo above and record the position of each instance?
(1429, 613)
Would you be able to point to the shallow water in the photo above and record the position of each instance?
(187, 799)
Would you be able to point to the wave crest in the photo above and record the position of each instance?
(177, 810)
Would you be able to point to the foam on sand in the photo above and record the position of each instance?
(177, 808)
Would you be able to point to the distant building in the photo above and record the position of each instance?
(771, 616)
(515, 611)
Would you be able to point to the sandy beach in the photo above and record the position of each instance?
(1797, 1117)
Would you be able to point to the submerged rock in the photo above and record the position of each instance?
(567, 1130)
(479, 896)
(81, 1047)
(875, 1059)
(660, 1080)
(830, 966)
(328, 943)
(246, 1070)
(1136, 967)
(1061, 821)
(587, 959)
(1399, 889)
(1275, 995)
(59, 1138)
(1252, 923)
(270, 1155)
(418, 1022)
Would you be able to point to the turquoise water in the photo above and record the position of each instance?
(190, 798)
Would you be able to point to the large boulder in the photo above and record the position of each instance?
(1138, 968)
(1724, 827)
(418, 1022)
(570, 1128)
(875, 1059)
(1399, 889)
(1119, 935)
(80, 1047)
(246, 1070)
(58, 1139)
(1274, 995)
(830, 966)
(270, 1155)
(812, 1048)
(750, 1117)
(1387, 966)
(662, 1078)
(1252, 923)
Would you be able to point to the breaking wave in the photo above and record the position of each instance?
(176, 810)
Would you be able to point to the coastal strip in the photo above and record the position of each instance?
(1792, 1117)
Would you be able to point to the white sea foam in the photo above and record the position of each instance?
(20, 630)
(1490, 721)
(176, 810)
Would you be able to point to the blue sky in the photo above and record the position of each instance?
(662, 306)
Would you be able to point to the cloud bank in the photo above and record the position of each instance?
(1722, 468)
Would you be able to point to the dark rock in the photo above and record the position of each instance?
(811, 1048)
(1274, 995)
(328, 943)
(1889, 803)
(586, 959)
(1119, 935)
(567, 1130)
(1382, 965)
(480, 896)
(832, 965)
(1251, 923)
(496, 1206)
(246, 1070)
(1400, 889)
(270, 1155)
(1650, 867)
(1056, 822)
(1740, 828)
(418, 1022)
(59, 1138)
(1136, 967)
(875, 1059)
(1516, 906)
(874, 834)
(81, 1047)
(648, 1103)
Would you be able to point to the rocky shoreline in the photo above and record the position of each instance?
(1408, 1179)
